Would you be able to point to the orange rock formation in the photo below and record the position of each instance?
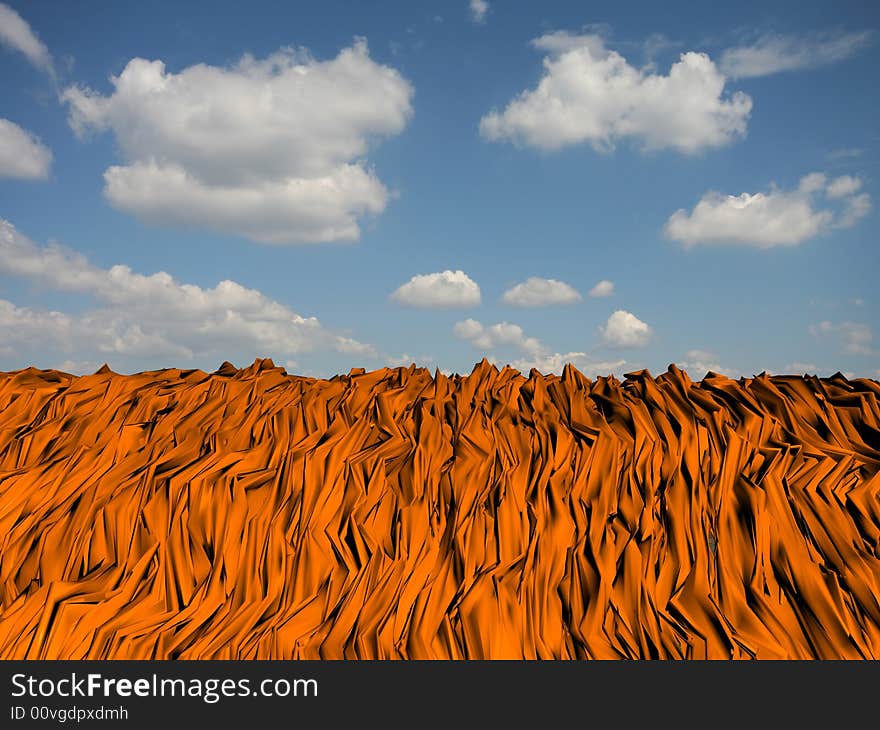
(395, 514)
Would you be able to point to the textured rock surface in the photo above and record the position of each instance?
(250, 513)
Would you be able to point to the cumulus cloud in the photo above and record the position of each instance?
(441, 290)
(19, 325)
(538, 292)
(589, 94)
(78, 367)
(150, 317)
(503, 333)
(775, 218)
(555, 362)
(272, 150)
(843, 187)
(773, 53)
(857, 207)
(533, 353)
(405, 360)
(807, 368)
(478, 10)
(22, 155)
(468, 329)
(16, 34)
(304, 210)
(624, 329)
(700, 362)
(603, 288)
(856, 337)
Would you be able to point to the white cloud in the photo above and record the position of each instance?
(856, 336)
(805, 368)
(656, 44)
(538, 292)
(843, 187)
(857, 207)
(19, 325)
(313, 210)
(773, 53)
(555, 362)
(533, 353)
(700, 362)
(468, 329)
(22, 155)
(775, 218)
(350, 346)
(405, 360)
(589, 94)
(844, 153)
(16, 34)
(603, 288)
(760, 220)
(441, 290)
(150, 317)
(478, 10)
(814, 182)
(624, 329)
(503, 333)
(272, 150)
(78, 367)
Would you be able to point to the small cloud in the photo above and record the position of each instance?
(603, 288)
(405, 360)
(78, 367)
(857, 207)
(855, 336)
(441, 290)
(655, 44)
(478, 10)
(845, 153)
(533, 353)
(774, 218)
(624, 329)
(843, 187)
(774, 53)
(351, 346)
(503, 333)
(538, 292)
(700, 362)
(804, 368)
(468, 329)
(555, 362)
(22, 155)
(16, 34)
(812, 183)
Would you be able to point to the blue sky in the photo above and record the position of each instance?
(378, 183)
